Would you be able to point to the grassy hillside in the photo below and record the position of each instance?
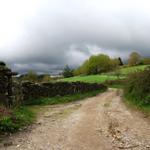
(91, 78)
(105, 77)
(128, 70)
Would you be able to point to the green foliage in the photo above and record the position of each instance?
(15, 120)
(114, 64)
(138, 88)
(133, 103)
(82, 70)
(24, 115)
(63, 99)
(7, 125)
(97, 64)
(67, 72)
(134, 59)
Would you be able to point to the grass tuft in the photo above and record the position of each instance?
(19, 117)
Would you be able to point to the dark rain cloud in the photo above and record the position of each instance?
(44, 35)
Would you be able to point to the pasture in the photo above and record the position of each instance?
(127, 70)
(91, 78)
(123, 71)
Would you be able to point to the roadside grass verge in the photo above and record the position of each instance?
(63, 99)
(15, 119)
(137, 90)
(137, 104)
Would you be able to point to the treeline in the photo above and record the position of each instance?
(98, 64)
(102, 63)
(32, 76)
(137, 59)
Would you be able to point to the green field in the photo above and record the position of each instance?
(105, 77)
(91, 78)
(128, 70)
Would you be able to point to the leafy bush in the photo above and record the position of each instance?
(134, 59)
(138, 87)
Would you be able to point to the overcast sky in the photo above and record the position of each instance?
(44, 35)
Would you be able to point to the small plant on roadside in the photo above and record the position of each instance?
(11, 121)
(137, 88)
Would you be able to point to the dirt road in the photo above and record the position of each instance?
(99, 123)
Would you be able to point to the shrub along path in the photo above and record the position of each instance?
(102, 122)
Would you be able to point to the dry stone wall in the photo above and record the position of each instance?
(34, 91)
(15, 93)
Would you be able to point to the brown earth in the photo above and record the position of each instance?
(99, 123)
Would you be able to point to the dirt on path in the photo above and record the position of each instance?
(98, 123)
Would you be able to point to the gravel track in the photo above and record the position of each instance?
(98, 123)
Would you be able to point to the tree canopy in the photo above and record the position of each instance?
(134, 59)
(97, 64)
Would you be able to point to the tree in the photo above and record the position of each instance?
(120, 61)
(81, 70)
(2, 63)
(97, 64)
(103, 63)
(115, 63)
(134, 59)
(67, 72)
